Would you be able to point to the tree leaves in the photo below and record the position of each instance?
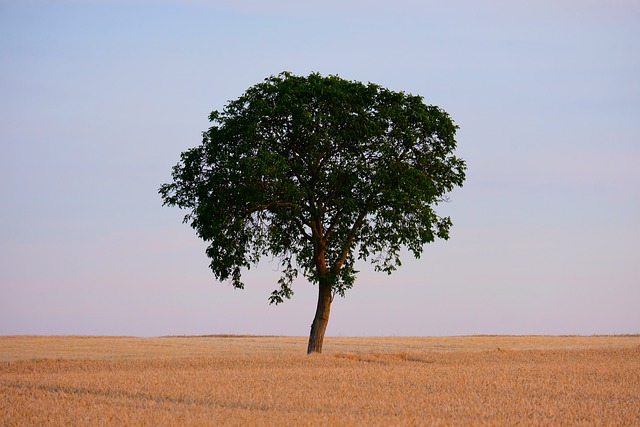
(314, 171)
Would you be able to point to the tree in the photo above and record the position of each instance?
(318, 172)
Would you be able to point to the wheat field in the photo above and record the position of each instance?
(249, 380)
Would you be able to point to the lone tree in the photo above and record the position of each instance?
(318, 172)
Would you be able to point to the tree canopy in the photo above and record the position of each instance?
(317, 171)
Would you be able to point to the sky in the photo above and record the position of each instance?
(98, 99)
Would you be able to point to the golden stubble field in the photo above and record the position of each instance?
(234, 380)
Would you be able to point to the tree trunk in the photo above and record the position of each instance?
(320, 321)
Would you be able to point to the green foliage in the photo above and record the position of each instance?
(318, 172)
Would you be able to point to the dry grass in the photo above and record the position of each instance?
(487, 380)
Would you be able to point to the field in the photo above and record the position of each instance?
(235, 380)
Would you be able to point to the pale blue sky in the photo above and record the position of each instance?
(98, 99)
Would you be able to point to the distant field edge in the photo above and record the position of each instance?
(81, 336)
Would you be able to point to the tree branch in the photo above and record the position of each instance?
(332, 226)
(347, 246)
(300, 226)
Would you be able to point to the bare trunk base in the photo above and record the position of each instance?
(321, 319)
